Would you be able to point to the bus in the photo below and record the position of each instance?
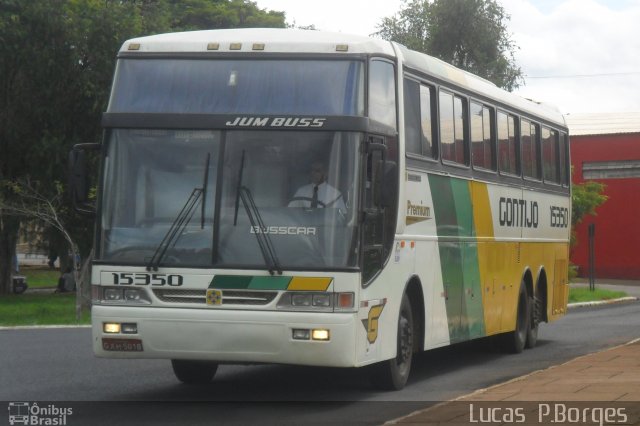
(320, 199)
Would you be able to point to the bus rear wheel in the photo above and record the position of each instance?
(393, 374)
(515, 340)
(194, 372)
(534, 319)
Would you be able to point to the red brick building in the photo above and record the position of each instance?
(606, 148)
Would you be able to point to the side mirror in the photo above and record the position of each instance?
(79, 178)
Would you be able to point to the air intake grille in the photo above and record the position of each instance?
(229, 297)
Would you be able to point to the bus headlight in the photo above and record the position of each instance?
(301, 299)
(132, 294)
(323, 300)
(118, 295)
(316, 301)
(113, 294)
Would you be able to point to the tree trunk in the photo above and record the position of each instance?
(9, 226)
(85, 282)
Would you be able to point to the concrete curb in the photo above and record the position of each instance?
(602, 302)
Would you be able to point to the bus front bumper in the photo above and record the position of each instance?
(230, 336)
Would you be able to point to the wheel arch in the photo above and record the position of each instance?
(413, 289)
(542, 292)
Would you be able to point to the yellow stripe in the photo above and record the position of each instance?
(310, 283)
(481, 210)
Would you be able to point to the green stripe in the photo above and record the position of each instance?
(458, 260)
(230, 281)
(240, 282)
(462, 206)
(269, 283)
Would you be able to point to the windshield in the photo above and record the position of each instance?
(293, 87)
(301, 185)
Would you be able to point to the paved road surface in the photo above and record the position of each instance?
(58, 365)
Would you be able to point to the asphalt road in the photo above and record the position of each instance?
(58, 365)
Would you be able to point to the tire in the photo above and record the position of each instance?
(514, 341)
(534, 320)
(393, 374)
(194, 372)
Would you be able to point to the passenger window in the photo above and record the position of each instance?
(564, 159)
(550, 155)
(412, 117)
(507, 147)
(482, 148)
(426, 94)
(530, 149)
(382, 93)
(417, 112)
(452, 128)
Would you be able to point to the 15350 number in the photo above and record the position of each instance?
(131, 278)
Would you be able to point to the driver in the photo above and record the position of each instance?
(318, 193)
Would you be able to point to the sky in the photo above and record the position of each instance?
(579, 55)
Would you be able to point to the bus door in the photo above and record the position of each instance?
(379, 203)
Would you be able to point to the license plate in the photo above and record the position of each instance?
(122, 345)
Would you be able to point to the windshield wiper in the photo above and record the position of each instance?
(178, 225)
(182, 220)
(264, 241)
(204, 190)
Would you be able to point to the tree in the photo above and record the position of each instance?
(56, 59)
(56, 66)
(585, 198)
(30, 203)
(215, 14)
(470, 34)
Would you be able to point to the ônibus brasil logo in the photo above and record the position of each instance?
(26, 413)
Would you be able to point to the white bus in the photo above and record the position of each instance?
(311, 198)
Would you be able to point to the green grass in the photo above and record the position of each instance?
(583, 294)
(39, 278)
(40, 309)
(60, 309)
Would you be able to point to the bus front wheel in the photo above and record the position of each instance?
(194, 372)
(393, 374)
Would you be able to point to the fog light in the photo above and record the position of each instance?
(113, 294)
(320, 334)
(111, 327)
(300, 334)
(129, 328)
